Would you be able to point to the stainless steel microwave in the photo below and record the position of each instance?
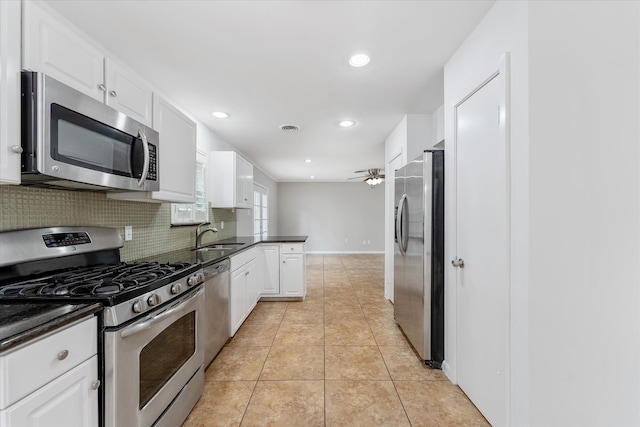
(74, 141)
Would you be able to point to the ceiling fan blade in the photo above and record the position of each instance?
(358, 177)
(362, 171)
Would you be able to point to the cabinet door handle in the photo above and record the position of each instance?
(102, 87)
(113, 93)
(63, 354)
(284, 262)
(95, 385)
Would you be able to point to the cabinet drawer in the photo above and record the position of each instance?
(242, 258)
(292, 248)
(30, 367)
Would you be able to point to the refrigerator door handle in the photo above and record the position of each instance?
(399, 229)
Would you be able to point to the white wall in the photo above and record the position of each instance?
(437, 125)
(419, 134)
(575, 205)
(504, 29)
(584, 213)
(330, 213)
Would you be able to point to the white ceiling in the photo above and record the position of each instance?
(269, 63)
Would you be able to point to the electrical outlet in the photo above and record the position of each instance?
(128, 232)
(364, 242)
(368, 242)
(221, 225)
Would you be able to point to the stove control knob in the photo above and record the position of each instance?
(153, 299)
(176, 288)
(200, 277)
(193, 280)
(137, 307)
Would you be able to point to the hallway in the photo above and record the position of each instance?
(336, 359)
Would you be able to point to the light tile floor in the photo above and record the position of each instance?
(335, 359)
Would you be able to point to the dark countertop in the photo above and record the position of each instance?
(212, 256)
(21, 322)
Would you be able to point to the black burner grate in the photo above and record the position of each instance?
(93, 281)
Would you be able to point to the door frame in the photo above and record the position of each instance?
(450, 366)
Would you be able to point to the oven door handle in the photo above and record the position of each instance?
(134, 329)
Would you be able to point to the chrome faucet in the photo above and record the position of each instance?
(199, 233)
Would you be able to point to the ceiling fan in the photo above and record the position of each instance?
(373, 176)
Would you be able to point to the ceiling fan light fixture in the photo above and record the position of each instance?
(346, 123)
(359, 60)
(373, 181)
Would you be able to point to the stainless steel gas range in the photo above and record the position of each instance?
(152, 324)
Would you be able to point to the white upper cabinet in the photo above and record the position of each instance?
(177, 157)
(128, 93)
(10, 92)
(52, 46)
(230, 180)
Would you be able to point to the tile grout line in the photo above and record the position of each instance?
(244, 413)
(324, 352)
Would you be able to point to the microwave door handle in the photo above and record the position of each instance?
(145, 167)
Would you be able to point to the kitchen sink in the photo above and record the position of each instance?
(219, 247)
(226, 245)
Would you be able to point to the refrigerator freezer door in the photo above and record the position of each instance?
(410, 308)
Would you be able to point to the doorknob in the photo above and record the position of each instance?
(458, 262)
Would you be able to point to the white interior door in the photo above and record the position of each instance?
(482, 216)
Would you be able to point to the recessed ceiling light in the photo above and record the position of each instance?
(312, 177)
(359, 60)
(220, 114)
(307, 160)
(346, 123)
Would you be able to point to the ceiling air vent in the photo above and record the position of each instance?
(289, 128)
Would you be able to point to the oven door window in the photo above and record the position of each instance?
(81, 141)
(165, 355)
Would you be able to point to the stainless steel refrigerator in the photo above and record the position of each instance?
(419, 255)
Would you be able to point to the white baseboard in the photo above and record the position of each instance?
(446, 369)
(343, 252)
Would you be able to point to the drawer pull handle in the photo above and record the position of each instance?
(63, 354)
(95, 385)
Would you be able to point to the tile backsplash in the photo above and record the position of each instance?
(32, 207)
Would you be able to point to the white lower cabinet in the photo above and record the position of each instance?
(292, 282)
(52, 381)
(270, 270)
(244, 287)
(69, 400)
(283, 271)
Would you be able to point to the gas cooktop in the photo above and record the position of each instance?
(110, 284)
